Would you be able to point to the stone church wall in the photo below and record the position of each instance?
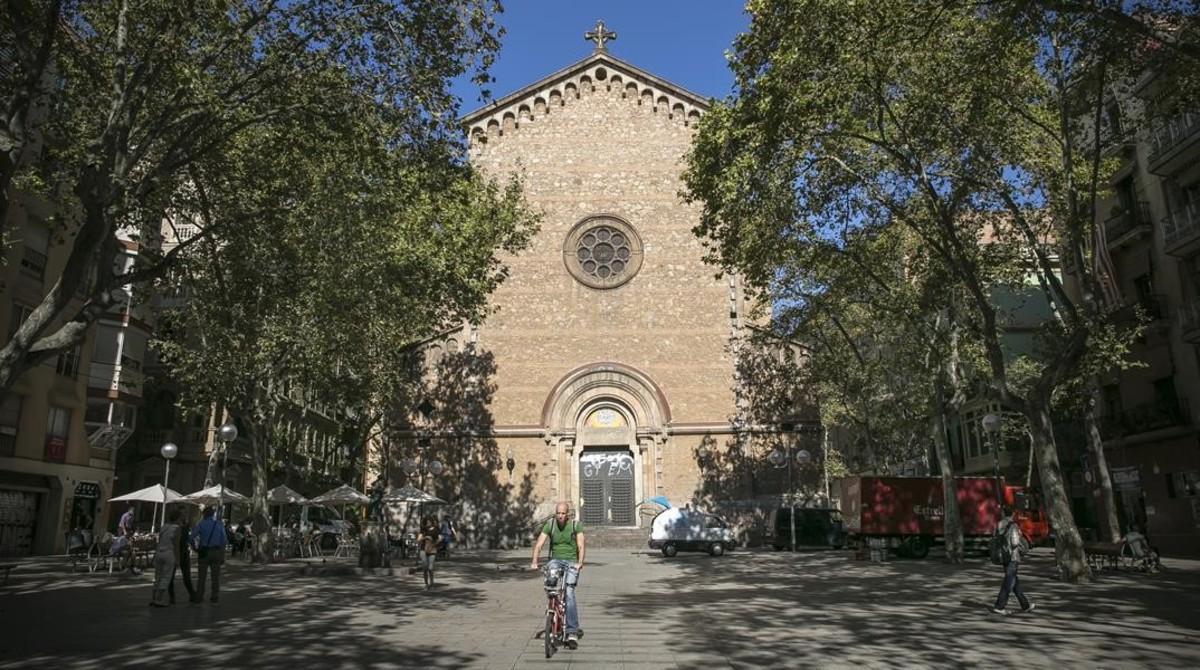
(602, 149)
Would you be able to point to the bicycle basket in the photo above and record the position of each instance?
(552, 577)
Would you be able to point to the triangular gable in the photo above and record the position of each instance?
(598, 69)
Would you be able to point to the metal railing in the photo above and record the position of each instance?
(1151, 307)
(1123, 221)
(1146, 417)
(1170, 134)
(1180, 225)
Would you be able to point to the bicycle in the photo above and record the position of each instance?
(555, 633)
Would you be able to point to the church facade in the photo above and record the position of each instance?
(611, 344)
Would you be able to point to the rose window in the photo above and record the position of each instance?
(602, 252)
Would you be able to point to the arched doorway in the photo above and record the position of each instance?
(605, 426)
(607, 476)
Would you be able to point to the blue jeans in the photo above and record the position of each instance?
(1012, 585)
(572, 580)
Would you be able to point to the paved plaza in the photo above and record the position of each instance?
(639, 610)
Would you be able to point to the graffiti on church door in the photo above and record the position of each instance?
(606, 482)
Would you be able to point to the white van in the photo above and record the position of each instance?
(678, 529)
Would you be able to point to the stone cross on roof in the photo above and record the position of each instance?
(599, 35)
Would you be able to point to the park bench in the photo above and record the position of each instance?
(1103, 554)
(1117, 556)
(6, 568)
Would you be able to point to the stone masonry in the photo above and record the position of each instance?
(643, 368)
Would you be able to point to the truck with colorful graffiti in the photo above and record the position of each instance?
(906, 514)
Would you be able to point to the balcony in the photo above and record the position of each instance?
(1181, 231)
(1172, 143)
(1189, 321)
(1127, 226)
(1150, 309)
(1145, 418)
(123, 379)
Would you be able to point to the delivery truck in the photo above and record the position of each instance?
(906, 514)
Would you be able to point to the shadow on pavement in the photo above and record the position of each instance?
(823, 607)
(268, 617)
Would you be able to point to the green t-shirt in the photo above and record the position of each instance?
(562, 540)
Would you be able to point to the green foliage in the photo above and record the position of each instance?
(156, 104)
(978, 129)
(348, 250)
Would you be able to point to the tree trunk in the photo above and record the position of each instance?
(1108, 520)
(261, 511)
(1068, 545)
(952, 524)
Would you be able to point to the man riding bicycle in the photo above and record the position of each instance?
(566, 552)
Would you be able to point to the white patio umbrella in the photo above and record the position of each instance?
(409, 494)
(216, 495)
(342, 495)
(157, 494)
(283, 495)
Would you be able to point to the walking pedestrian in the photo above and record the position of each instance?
(122, 547)
(125, 524)
(165, 559)
(448, 533)
(210, 539)
(1013, 545)
(185, 559)
(427, 544)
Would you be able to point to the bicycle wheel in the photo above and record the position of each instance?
(548, 636)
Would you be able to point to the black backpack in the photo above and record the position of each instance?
(999, 549)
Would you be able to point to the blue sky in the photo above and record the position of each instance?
(681, 41)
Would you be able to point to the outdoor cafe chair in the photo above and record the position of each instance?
(347, 545)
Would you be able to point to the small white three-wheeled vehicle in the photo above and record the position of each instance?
(681, 529)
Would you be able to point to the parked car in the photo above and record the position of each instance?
(814, 528)
(678, 529)
(326, 520)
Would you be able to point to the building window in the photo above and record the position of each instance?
(1112, 400)
(58, 423)
(97, 412)
(602, 252)
(124, 415)
(1183, 484)
(10, 420)
(37, 250)
(106, 344)
(1166, 401)
(68, 362)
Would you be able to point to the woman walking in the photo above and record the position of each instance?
(427, 542)
(165, 559)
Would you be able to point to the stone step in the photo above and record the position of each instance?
(603, 537)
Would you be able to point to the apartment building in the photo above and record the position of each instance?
(1149, 413)
(63, 421)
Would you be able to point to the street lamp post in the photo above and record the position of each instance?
(168, 451)
(779, 458)
(991, 426)
(225, 434)
(412, 466)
